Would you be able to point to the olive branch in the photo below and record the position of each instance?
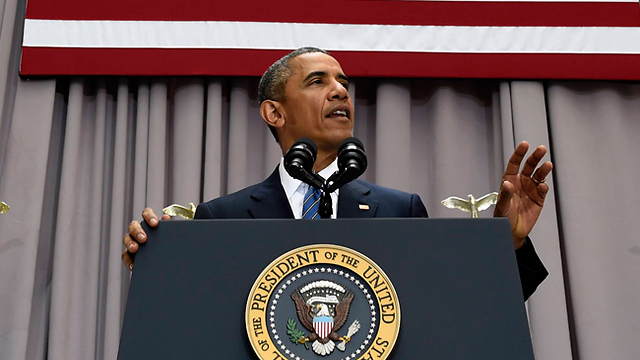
(296, 336)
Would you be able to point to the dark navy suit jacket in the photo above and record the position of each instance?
(268, 200)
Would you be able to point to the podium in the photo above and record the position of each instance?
(456, 281)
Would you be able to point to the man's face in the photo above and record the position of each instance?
(317, 104)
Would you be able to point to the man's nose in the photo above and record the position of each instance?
(339, 92)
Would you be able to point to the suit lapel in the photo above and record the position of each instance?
(354, 201)
(270, 200)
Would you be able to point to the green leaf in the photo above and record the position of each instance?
(293, 332)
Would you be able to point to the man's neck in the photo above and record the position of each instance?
(324, 156)
(324, 159)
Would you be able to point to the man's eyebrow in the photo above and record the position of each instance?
(314, 74)
(323, 73)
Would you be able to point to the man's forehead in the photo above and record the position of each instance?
(309, 63)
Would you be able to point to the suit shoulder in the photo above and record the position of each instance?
(385, 191)
(396, 203)
(227, 206)
(239, 195)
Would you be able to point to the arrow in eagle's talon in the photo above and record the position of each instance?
(353, 329)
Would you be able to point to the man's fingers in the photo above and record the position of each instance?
(513, 167)
(543, 189)
(130, 244)
(135, 229)
(504, 199)
(150, 217)
(137, 236)
(127, 259)
(543, 171)
(533, 160)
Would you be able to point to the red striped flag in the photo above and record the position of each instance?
(499, 39)
(323, 326)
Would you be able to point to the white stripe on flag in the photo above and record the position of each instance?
(336, 37)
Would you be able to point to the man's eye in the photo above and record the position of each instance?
(346, 85)
(316, 81)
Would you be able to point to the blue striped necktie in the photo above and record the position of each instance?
(311, 204)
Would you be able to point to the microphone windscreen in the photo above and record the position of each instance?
(302, 153)
(350, 140)
(309, 142)
(351, 154)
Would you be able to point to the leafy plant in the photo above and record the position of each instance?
(296, 336)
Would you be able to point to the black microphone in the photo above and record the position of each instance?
(299, 160)
(352, 162)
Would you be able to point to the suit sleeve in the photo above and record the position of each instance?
(532, 271)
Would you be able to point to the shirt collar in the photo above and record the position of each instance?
(290, 185)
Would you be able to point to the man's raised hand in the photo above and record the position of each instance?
(137, 236)
(522, 193)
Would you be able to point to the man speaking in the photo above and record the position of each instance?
(305, 95)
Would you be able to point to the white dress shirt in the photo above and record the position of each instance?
(295, 189)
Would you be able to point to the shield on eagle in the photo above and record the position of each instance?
(323, 326)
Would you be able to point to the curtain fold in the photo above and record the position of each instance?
(11, 19)
(548, 309)
(156, 190)
(215, 133)
(187, 139)
(595, 129)
(23, 229)
(393, 133)
(75, 260)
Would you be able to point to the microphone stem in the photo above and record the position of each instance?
(326, 206)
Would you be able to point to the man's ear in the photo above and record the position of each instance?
(272, 113)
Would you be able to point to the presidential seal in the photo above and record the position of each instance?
(322, 302)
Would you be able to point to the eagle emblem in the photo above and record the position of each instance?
(473, 205)
(322, 307)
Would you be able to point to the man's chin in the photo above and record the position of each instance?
(333, 144)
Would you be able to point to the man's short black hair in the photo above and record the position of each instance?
(275, 78)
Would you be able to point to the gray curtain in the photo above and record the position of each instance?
(81, 157)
